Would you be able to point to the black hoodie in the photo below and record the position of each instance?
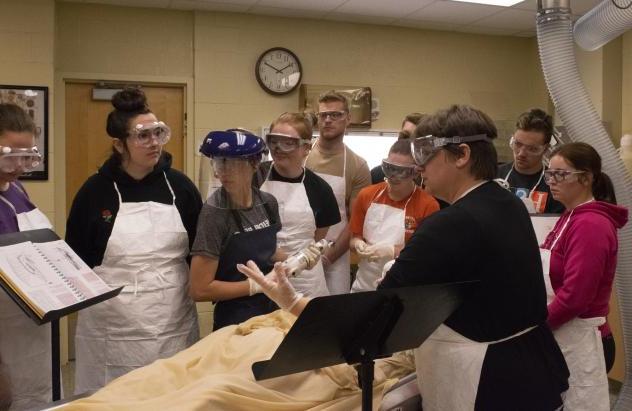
(96, 204)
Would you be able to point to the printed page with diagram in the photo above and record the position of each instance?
(48, 276)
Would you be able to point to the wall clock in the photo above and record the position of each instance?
(278, 71)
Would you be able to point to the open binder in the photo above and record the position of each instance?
(45, 277)
(48, 280)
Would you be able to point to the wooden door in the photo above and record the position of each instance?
(88, 145)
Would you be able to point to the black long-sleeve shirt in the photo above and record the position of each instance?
(486, 235)
(95, 206)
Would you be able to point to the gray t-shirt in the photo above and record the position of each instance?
(216, 224)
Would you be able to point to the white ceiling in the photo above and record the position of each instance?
(518, 20)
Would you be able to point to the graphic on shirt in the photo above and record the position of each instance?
(410, 224)
(106, 215)
(537, 197)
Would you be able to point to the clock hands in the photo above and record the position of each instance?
(289, 65)
(271, 66)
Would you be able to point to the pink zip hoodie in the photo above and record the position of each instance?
(583, 262)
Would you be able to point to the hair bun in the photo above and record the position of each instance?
(130, 99)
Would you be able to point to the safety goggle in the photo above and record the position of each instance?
(19, 159)
(333, 115)
(517, 146)
(284, 142)
(424, 148)
(558, 176)
(398, 171)
(144, 135)
(228, 165)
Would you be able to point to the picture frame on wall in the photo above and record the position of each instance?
(34, 100)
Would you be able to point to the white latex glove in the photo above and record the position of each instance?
(275, 284)
(361, 248)
(254, 287)
(359, 245)
(379, 251)
(385, 269)
(313, 255)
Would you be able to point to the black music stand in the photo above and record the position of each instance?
(44, 236)
(361, 327)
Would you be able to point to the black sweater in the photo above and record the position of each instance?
(487, 235)
(96, 204)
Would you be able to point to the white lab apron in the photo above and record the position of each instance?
(297, 231)
(449, 369)
(383, 224)
(153, 317)
(338, 274)
(25, 347)
(581, 344)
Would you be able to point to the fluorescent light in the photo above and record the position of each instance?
(503, 3)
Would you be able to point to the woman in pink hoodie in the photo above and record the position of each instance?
(579, 259)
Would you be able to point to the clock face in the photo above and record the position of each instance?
(278, 71)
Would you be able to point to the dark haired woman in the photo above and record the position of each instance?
(579, 259)
(134, 222)
(24, 346)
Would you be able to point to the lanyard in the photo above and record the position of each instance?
(536, 184)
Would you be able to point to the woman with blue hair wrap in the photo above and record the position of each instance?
(237, 223)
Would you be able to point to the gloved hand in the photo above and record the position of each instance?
(379, 251)
(385, 269)
(360, 247)
(312, 253)
(275, 284)
(254, 287)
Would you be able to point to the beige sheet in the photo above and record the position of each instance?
(215, 374)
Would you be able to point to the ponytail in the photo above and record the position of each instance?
(603, 189)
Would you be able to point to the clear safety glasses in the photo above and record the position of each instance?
(558, 176)
(144, 135)
(284, 142)
(517, 146)
(19, 159)
(228, 165)
(398, 171)
(425, 148)
(333, 115)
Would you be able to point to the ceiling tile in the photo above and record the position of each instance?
(286, 12)
(133, 3)
(358, 18)
(428, 25)
(454, 12)
(209, 6)
(509, 19)
(485, 30)
(323, 5)
(399, 8)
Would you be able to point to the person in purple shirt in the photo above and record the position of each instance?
(24, 346)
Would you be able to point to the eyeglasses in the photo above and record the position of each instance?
(284, 142)
(517, 146)
(19, 159)
(333, 115)
(144, 135)
(558, 176)
(425, 148)
(397, 171)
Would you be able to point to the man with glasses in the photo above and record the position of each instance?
(346, 173)
(525, 175)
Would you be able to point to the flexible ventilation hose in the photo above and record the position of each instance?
(572, 103)
(603, 23)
